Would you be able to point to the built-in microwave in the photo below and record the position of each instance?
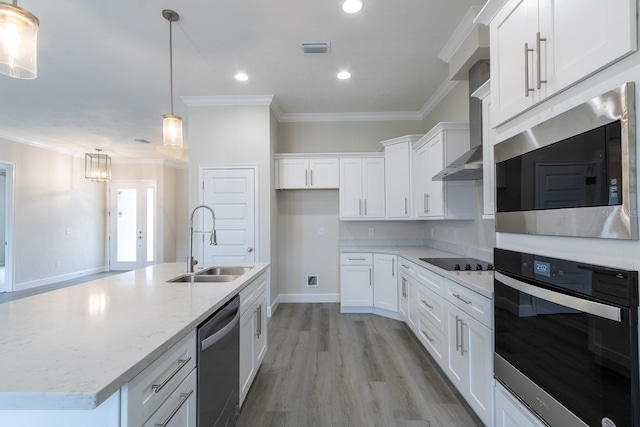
(574, 174)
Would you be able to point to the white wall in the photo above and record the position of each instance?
(235, 135)
(182, 213)
(3, 217)
(51, 197)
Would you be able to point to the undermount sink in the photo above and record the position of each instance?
(224, 271)
(204, 278)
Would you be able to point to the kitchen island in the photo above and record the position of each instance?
(75, 348)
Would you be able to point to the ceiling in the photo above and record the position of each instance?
(103, 72)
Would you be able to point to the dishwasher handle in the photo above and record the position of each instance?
(209, 341)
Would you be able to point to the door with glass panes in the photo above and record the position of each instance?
(132, 224)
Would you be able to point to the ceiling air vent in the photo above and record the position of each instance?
(316, 47)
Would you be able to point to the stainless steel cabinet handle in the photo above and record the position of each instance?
(257, 312)
(312, 177)
(539, 69)
(181, 364)
(458, 346)
(404, 287)
(462, 350)
(393, 266)
(185, 397)
(426, 335)
(406, 209)
(260, 320)
(424, 203)
(370, 278)
(426, 303)
(405, 266)
(306, 177)
(428, 202)
(357, 259)
(365, 207)
(526, 70)
(462, 299)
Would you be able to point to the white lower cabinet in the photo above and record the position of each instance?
(385, 282)
(511, 413)
(180, 409)
(469, 362)
(253, 332)
(433, 339)
(356, 280)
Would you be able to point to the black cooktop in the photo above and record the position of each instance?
(459, 264)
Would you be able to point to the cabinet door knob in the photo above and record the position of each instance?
(249, 249)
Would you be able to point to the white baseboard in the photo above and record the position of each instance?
(273, 307)
(372, 310)
(308, 298)
(56, 279)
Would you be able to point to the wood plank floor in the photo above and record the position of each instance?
(324, 368)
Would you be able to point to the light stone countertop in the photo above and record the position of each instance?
(74, 347)
(478, 281)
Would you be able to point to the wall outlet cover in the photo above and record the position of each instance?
(312, 280)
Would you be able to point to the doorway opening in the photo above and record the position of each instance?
(6, 226)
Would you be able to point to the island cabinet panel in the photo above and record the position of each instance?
(180, 408)
(105, 415)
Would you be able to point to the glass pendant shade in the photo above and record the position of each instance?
(18, 42)
(171, 130)
(97, 166)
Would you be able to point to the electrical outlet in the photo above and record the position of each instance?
(371, 232)
(321, 231)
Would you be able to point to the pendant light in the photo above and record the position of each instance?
(97, 167)
(171, 124)
(18, 42)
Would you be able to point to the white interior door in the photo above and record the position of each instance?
(132, 224)
(232, 196)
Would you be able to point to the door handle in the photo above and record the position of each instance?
(311, 173)
(393, 266)
(184, 398)
(306, 177)
(365, 207)
(249, 249)
(424, 203)
(458, 346)
(406, 210)
(370, 278)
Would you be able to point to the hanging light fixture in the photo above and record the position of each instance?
(97, 167)
(171, 124)
(18, 42)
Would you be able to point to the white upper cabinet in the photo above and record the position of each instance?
(442, 199)
(362, 188)
(540, 47)
(307, 173)
(398, 171)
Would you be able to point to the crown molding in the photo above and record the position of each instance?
(227, 100)
(440, 93)
(462, 31)
(489, 11)
(350, 117)
(40, 145)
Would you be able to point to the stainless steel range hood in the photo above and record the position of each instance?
(468, 167)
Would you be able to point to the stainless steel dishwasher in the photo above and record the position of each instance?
(219, 367)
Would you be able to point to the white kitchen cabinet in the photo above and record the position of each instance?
(362, 188)
(385, 282)
(356, 280)
(433, 339)
(469, 360)
(307, 173)
(442, 199)
(180, 408)
(511, 413)
(253, 332)
(403, 295)
(398, 172)
(540, 47)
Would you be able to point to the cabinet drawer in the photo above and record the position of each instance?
(151, 387)
(431, 306)
(431, 280)
(407, 266)
(249, 294)
(180, 407)
(356, 259)
(431, 337)
(472, 303)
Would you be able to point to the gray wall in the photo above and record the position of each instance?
(51, 196)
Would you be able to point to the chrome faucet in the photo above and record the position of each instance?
(212, 239)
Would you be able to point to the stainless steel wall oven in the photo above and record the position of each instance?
(566, 339)
(572, 175)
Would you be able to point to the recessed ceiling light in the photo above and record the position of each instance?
(352, 6)
(344, 75)
(241, 77)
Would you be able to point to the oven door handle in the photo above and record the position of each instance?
(591, 307)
